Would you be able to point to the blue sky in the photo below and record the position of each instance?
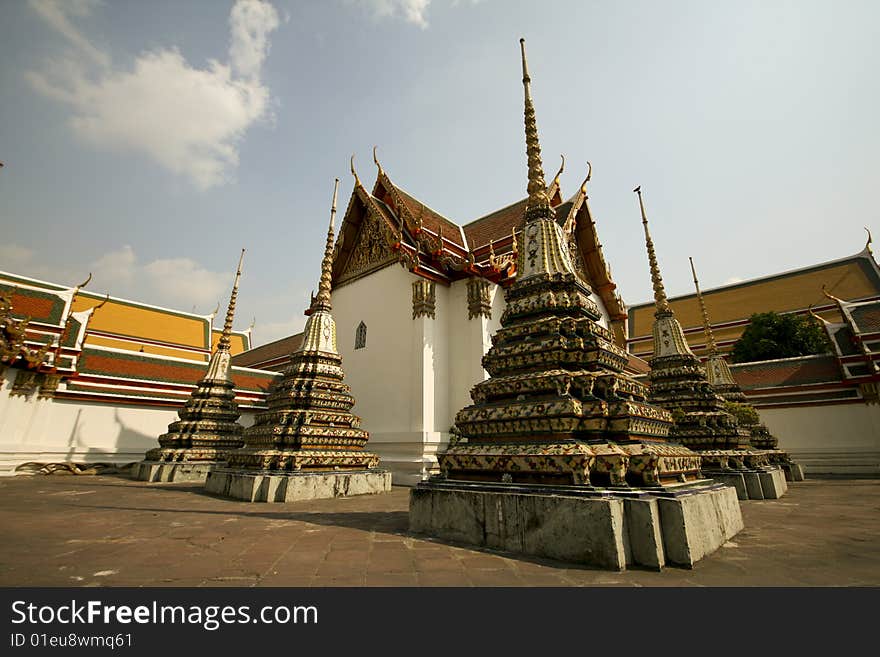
(149, 141)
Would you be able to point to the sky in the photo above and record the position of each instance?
(148, 142)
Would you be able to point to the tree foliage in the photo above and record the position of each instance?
(769, 336)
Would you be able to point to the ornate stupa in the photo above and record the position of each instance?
(557, 408)
(560, 455)
(307, 444)
(208, 427)
(679, 384)
(721, 378)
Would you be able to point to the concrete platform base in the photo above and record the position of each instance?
(295, 486)
(605, 528)
(773, 483)
(157, 471)
(752, 484)
(793, 471)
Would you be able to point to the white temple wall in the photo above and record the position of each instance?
(45, 430)
(829, 439)
(386, 377)
(470, 340)
(48, 430)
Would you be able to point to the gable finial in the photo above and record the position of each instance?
(376, 160)
(357, 181)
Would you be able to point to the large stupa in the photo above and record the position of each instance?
(307, 444)
(558, 427)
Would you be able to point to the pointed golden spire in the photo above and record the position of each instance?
(538, 205)
(223, 343)
(659, 293)
(322, 300)
(707, 329)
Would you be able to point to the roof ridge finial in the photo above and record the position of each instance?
(376, 160)
(587, 179)
(322, 300)
(357, 181)
(559, 173)
(868, 243)
(223, 343)
(707, 329)
(659, 293)
(837, 300)
(815, 316)
(538, 205)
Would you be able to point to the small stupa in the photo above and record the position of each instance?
(307, 444)
(721, 378)
(702, 422)
(558, 429)
(208, 427)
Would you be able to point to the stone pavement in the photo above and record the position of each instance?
(112, 531)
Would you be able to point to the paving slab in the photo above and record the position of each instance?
(106, 530)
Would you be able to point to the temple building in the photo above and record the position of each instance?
(307, 444)
(208, 427)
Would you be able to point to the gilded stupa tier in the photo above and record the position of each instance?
(208, 427)
(680, 385)
(557, 408)
(721, 379)
(309, 426)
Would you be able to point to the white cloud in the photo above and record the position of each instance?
(250, 23)
(412, 11)
(189, 120)
(177, 283)
(271, 331)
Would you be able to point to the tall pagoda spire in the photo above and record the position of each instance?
(208, 428)
(223, 343)
(707, 329)
(538, 205)
(659, 293)
(322, 301)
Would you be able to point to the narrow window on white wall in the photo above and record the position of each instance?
(360, 336)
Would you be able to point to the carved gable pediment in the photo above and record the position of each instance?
(371, 250)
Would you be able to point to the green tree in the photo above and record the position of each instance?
(769, 336)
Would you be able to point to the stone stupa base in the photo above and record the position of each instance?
(764, 484)
(282, 486)
(606, 528)
(174, 471)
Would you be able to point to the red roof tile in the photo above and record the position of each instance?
(787, 372)
(268, 352)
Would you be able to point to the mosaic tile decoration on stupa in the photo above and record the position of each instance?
(208, 428)
(308, 425)
(558, 408)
